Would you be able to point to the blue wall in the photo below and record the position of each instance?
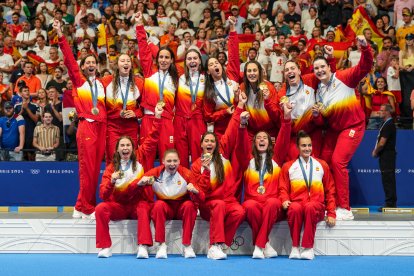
(56, 183)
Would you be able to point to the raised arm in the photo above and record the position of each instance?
(144, 49)
(233, 67)
(228, 140)
(149, 146)
(68, 58)
(281, 149)
(352, 76)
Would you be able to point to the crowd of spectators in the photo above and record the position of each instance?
(33, 78)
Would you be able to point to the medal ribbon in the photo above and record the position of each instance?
(194, 93)
(94, 94)
(327, 88)
(307, 181)
(128, 165)
(161, 85)
(228, 103)
(299, 88)
(124, 98)
(262, 174)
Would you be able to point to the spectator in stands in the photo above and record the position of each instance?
(206, 22)
(263, 24)
(152, 27)
(51, 32)
(386, 151)
(84, 32)
(380, 95)
(162, 18)
(185, 45)
(291, 15)
(5, 91)
(306, 194)
(185, 15)
(253, 11)
(310, 23)
(216, 12)
(41, 49)
(55, 108)
(43, 74)
(384, 57)
(31, 81)
(58, 81)
(42, 99)
(17, 10)
(280, 6)
(406, 28)
(235, 11)
(388, 29)
(170, 39)
(91, 9)
(195, 9)
(393, 80)
(12, 133)
(47, 9)
(175, 14)
(25, 40)
(67, 16)
(297, 34)
(402, 9)
(406, 66)
(183, 29)
(14, 25)
(6, 64)
(31, 114)
(46, 138)
(202, 43)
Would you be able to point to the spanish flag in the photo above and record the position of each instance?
(360, 22)
(245, 43)
(36, 60)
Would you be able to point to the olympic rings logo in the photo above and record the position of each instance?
(34, 171)
(237, 242)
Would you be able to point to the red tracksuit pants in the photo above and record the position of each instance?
(187, 135)
(91, 149)
(166, 140)
(117, 128)
(105, 212)
(144, 228)
(261, 217)
(168, 210)
(224, 219)
(337, 151)
(307, 215)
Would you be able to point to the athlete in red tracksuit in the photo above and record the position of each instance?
(158, 86)
(221, 88)
(255, 88)
(176, 199)
(119, 189)
(306, 189)
(300, 91)
(345, 118)
(122, 121)
(89, 98)
(189, 124)
(261, 176)
(216, 176)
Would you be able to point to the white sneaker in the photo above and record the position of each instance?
(269, 251)
(189, 252)
(91, 216)
(216, 253)
(142, 252)
(258, 253)
(294, 254)
(344, 214)
(105, 253)
(162, 251)
(307, 254)
(77, 214)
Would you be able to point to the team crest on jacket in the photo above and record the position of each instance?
(317, 169)
(307, 92)
(229, 83)
(179, 182)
